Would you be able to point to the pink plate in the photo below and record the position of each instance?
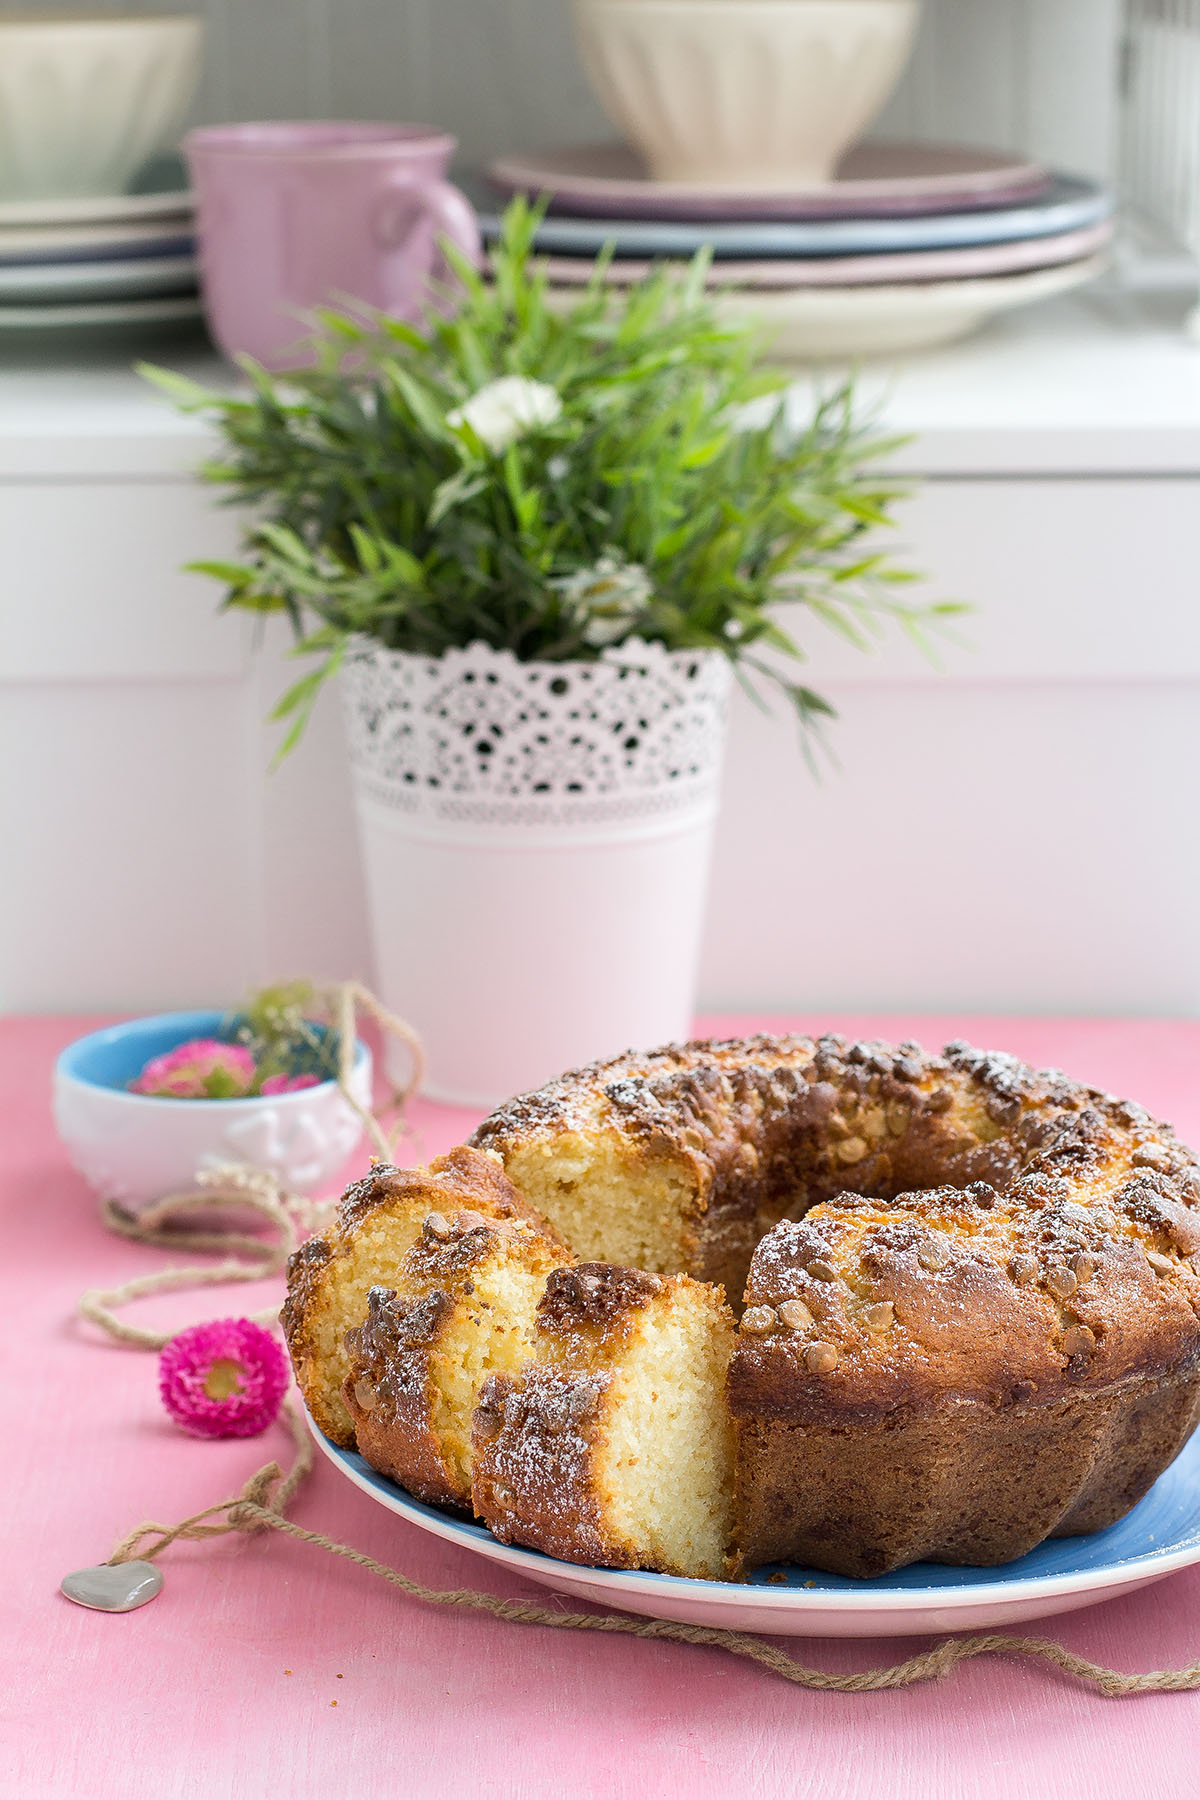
(954, 264)
(874, 180)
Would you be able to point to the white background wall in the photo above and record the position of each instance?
(503, 74)
(1017, 833)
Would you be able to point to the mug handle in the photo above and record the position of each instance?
(453, 217)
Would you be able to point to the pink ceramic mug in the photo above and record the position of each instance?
(292, 216)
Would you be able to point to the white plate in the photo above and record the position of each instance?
(136, 278)
(802, 325)
(88, 243)
(104, 316)
(96, 209)
(1160, 1535)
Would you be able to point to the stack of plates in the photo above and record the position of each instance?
(911, 245)
(121, 260)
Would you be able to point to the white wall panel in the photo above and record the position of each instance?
(94, 589)
(129, 826)
(1009, 848)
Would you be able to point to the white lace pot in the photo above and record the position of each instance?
(536, 839)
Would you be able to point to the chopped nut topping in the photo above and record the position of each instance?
(906, 1068)
(821, 1358)
(758, 1319)
(933, 1256)
(1023, 1390)
(437, 1225)
(874, 1123)
(1151, 1156)
(364, 1392)
(1023, 1270)
(1162, 1265)
(1191, 1186)
(796, 1315)
(851, 1150)
(468, 1220)
(1104, 1217)
(898, 1118)
(940, 1101)
(1083, 1267)
(822, 1271)
(1078, 1340)
(881, 1316)
(1061, 1282)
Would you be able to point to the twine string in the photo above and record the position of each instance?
(262, 1503)
(260, 1507)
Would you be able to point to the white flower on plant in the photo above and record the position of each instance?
(557, 468)
(504, 410)
(608, 599)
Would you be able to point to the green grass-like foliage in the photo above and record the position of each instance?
(669, 499)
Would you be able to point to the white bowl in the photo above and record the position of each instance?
(738, 92)
(85, 102)
(137, 1147)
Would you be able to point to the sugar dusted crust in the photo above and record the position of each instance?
(971, 1316)
(378, 1218)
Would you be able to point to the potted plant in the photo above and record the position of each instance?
(535, 544)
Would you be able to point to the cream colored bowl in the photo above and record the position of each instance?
(744, 92)
(86, 101)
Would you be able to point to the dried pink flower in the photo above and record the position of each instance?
(226, 1379)
(288, 1084)
(204, 1069)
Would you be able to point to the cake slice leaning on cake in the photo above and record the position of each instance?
(460, 1308)
(378, 1221)
(613, 1446)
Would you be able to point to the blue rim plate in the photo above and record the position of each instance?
(1069, 204)
(1160, 1535)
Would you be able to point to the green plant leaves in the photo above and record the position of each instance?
(373, 515)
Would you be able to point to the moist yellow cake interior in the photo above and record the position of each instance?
(489, 1333)
(606, 1200)
(664, 1471)
(370, 1259)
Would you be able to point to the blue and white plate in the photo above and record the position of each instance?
(1160, 1535)
(1067, 205)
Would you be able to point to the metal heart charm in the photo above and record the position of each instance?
(113, 1587)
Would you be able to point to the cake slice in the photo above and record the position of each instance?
(378, 1220)
(613, 1446)
(461, 1309)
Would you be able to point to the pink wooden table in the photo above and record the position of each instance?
(267, 1668)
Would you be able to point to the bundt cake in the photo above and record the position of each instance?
(378, 1219)
(460, 1308)
(970, 1309)
(613, 1445)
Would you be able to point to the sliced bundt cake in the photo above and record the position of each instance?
(378, 1220)
(460, 1308)
(613, 1446)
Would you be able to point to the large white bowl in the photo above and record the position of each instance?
(137, 1147)
(86, 101)
(737, 92)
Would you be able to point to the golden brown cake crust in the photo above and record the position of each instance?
(971, 1282)
(388, 1393)
(462, 1180)
(536, 1436)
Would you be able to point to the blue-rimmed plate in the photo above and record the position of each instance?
(1161, 1534)
(1069, 204)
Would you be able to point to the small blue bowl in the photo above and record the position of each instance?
(137, 1147)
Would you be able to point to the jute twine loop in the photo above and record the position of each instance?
(261, 1504)
(260, 1507)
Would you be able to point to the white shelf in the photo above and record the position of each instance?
(1101, 383)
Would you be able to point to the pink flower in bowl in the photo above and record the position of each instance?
(288, 1084)
(204, 1069)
